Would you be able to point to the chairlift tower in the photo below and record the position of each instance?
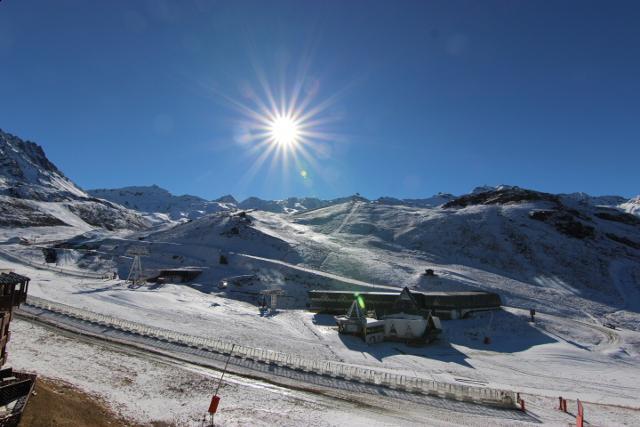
(135, 274)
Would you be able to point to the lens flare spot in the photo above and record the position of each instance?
(304, 174)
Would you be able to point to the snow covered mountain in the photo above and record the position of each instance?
(631, 206)
(291, 205)
(26, 173)
(586, 199)
(34, 192)
(158, 201)
(431, 202)
(153, 199)
(535, 249)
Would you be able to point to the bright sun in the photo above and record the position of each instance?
(284, 131)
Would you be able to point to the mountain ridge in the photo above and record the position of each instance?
(128, 196)
(26, 174)
(34, 192)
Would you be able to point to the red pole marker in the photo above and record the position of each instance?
(522, 405)
(213, 407)
(215, 400)
(580, 416)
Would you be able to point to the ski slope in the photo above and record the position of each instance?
(577, 286)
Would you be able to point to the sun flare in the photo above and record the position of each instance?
(284, 130)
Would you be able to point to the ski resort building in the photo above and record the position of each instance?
(178, 275)
(15, 387)
(446, 305)
(409, 322)
(356, 322)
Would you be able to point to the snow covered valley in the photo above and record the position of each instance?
(577, 288)
(573, 258)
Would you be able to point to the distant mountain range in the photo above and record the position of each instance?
(154, 199)
(34, 192)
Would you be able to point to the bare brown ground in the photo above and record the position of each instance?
(59, 404)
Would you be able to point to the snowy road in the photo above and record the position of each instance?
(250, 372)
(167, 341)
(177, 385)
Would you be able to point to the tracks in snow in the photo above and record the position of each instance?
(354, 209)
(317, 272)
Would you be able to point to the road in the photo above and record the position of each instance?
(281, 376)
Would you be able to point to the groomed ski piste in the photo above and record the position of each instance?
(89, 325)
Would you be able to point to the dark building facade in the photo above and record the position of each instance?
(446, 305)
(15, 387)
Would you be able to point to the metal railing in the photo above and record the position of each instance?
(482, 395)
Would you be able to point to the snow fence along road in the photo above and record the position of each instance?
(481, 395)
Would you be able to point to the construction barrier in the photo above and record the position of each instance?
(482, 395)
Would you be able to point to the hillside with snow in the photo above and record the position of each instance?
(536, 249)
(574, 258)
(153, 199)
(631, 206)
(35, 193)
(577, 264)
(530, 246)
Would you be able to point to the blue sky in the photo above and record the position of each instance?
(417, 96)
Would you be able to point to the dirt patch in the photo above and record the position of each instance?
(60, 404)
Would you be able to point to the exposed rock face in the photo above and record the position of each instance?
(501, 196)
(229, 199)
(18, 213)
(36, 193)
(26, 173)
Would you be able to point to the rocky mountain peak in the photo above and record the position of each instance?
(27, 173)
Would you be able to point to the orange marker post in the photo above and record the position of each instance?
(215, 400)
(213, 406)
(580, 416)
